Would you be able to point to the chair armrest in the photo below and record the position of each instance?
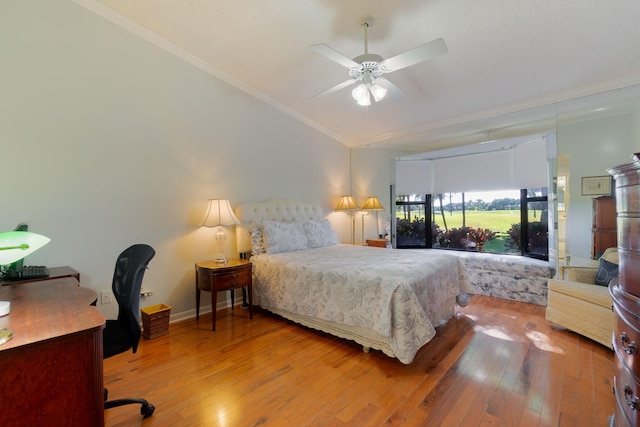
(578, 274)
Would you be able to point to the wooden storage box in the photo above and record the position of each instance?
(155, 320)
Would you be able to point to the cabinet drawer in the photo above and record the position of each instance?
(627, 399)
(627, 340)
(234, 279)
(627, 194)
(629, 267)
(628, 231)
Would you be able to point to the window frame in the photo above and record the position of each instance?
(524, 220)
(428, 209)
(427, 215)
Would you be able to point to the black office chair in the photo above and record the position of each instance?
(124, 333)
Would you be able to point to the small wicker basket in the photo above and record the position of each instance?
(155, 320)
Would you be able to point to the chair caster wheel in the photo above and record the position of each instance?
(147, 410)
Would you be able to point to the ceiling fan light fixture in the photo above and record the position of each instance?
(378, 92)
(366, 68)
(366, 100)
(361, 94)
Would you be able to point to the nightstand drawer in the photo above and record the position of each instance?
(234, 279)
(377, 243)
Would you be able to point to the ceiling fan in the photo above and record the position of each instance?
(368, 69)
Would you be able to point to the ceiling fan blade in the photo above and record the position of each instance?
(334, 55)
(336, 88)
(393, 92)
(414, 56)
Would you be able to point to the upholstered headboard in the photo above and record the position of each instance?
(271, 210)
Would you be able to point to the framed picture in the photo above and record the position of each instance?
(596, 185)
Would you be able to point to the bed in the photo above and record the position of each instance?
(388, 300)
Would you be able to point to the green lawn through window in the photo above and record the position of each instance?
(499, 221)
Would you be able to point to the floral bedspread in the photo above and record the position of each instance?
(392, 292)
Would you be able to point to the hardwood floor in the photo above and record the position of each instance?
(497, 363)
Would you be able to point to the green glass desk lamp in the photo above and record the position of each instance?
(15, 245)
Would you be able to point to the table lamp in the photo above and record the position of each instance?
(219, 214)
(371, 204)
(15, 245)
(348, 204)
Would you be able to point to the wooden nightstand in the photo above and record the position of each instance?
(378, 243)
(213, 277)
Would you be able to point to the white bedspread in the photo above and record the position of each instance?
(395, 293)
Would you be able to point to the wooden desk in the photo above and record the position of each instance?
(51, 370)
(54, 273)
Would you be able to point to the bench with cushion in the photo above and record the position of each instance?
(511, 277)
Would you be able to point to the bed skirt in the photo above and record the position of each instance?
(366, 337)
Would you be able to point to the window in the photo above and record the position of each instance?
(412, 212)
(534, 239)
(487, 221)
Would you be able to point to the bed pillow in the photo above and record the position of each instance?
(284, 236)
(319, 233)
(606, 271)
(257, 240)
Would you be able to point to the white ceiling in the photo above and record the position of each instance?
(512, 65)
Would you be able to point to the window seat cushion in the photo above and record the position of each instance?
(510, 277)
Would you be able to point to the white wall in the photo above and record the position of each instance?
(370, 178)
(373, 172)
(107, 140)
(591, 147)
(635, 129)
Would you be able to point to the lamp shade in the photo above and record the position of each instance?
(219, 212)
(372, 204)
(347, 203)
(15, 245)
(361, 94)
(378, 92)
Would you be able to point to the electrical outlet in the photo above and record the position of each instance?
(105, 297)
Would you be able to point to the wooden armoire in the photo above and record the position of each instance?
(626, 295)
(603, 231)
